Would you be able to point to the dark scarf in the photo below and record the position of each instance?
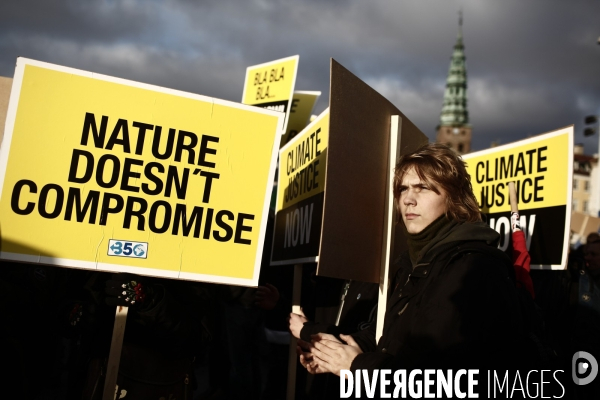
(418, 242)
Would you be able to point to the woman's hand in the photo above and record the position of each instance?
(307, 360)
(296, 323)
(332, 355)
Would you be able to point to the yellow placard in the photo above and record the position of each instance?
(270, 82)
(541, 168)
(302, 164)
(300, 195)
(104, 173)
(301, 109)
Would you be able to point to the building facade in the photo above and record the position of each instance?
(586, 183)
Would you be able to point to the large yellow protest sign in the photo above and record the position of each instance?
(542, 169)
(108, 174)
(271, 85)
(300, 194)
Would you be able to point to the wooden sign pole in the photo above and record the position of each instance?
(114, 357)
(293, 357)
(388, 225)
(514, 206)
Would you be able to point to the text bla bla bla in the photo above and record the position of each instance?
(268, 76)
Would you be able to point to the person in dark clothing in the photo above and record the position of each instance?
(453, 303)
(168, 325)
(585, 311)
(356, 311)
(41, 350)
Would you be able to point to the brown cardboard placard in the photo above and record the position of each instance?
(577, 221)
(357, 162)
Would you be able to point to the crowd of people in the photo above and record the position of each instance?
(456, 301)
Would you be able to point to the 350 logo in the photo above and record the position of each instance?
(124, 248)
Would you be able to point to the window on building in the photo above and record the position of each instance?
(574, 205)
(575, 183)
(585, 206)
(586, 186)
(461, 148)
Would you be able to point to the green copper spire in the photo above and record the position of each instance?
(454, 111)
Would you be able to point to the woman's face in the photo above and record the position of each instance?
(419, 204)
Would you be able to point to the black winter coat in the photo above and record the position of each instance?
(457, 309)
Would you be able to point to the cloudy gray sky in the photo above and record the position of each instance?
(533, 65)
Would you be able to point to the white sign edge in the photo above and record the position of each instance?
(296, 261)
(316, 93)
(267, 202)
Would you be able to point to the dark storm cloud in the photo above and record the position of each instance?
(532, 65)
(84, 21)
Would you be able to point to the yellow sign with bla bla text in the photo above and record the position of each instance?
(542, 169)
(103, 173)
(271, 85)
(300, 195)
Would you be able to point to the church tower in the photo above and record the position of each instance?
(454, 129)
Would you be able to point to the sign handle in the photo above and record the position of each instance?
(388, 224)
(514, 205)
(114, 356)
(293, 357)
(342, 301)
